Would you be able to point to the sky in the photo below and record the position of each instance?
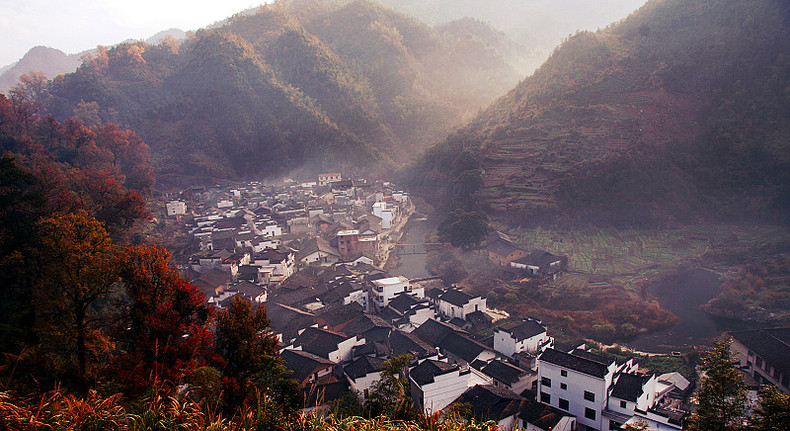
(73, 26)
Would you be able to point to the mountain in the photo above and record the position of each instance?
(680, 112)
(50, 61)
(352, 86)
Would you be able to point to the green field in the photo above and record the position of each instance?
(629, 257)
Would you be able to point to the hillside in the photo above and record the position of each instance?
(679, 113)
(51, 62)
(354, 87)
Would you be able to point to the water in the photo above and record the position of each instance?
(411, 262)
(682, 295)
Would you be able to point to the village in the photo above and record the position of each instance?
(313, 254)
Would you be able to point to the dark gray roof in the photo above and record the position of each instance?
(287, 320)
(772, 345)
(402, 303)
(433, 331)
(363, 366)
(629, 387)
(401, 343)
(426, 372)
(462, 346)
(502, 247)
(592, 356)
(364, 323)
(539, 258)
(338, 316)
(524, 330)
(456, 297)
(573, 362)
(541, 415)
(489, 402)
(320, 342)
(303, 364)
(503, 371)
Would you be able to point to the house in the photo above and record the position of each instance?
(577, 385)
(385, 289)
(458, 347)
(455, 303)
(528, 336)
(331, 345)
(502, 251)
(350, 242)
(436, 383)
(307, 368)
(503, 374)
(326, 179)
(386, 213)
(764, 355)
(213, 282)
(176, 208)
(317, 251)
(362, 373)
(251, 292)
(490, 403)
(407, 312)
(539, 263)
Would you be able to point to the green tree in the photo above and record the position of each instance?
(463, 228)
(77, 275)
(722, 398)
(391, 395)
(772, 412)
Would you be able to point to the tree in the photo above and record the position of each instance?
(463, 228)
(722, 398)
(772, 412)
(77, 275)
(391, 395)
(164, 332)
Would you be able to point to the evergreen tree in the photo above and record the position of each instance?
(773, 411)
(722, 398)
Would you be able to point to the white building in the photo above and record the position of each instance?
(385, 289)
(455, 303)
(435, 384)
(326, 179)
(362, 373)
(386, 214)
(529, 336)
(176, 208)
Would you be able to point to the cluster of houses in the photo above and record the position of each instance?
(312, 253)
(252, 237)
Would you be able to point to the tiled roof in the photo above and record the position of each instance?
(363, 366)
(772, 345)
(490, 402)
(320, 342)
(455, 297)
(461, 346)
(503, 371)
(573, 362)
(303, 364)
(629, 387)
(425, 373)
(526, 329)
(541, 415)
(433, 331)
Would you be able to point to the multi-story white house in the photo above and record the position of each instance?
(436, 383)
(578, 385)
(327, 344)
(763, 355)
(385, 289)
(176, 208)
(529, 336)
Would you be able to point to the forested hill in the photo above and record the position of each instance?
(678, 113)
(310, 85)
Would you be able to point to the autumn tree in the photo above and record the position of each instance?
(77, 274)
(722, 398)
(772, 412)
(163, 335)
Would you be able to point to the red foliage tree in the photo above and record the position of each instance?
(164, 336)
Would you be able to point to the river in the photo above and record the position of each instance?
(411, 257)
(683, 294)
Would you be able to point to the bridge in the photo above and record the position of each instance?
(406, 249)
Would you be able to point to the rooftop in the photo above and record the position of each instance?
(573, 362)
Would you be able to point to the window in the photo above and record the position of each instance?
(623, 404)
(545, 398)
(759, 362)
(563, 404)
(589, 396)
(564, 373)
(545, 382)
(589, 413)
(563, 386)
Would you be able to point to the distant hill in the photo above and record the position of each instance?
(680, 112)
(52, 62)
(347, 86)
